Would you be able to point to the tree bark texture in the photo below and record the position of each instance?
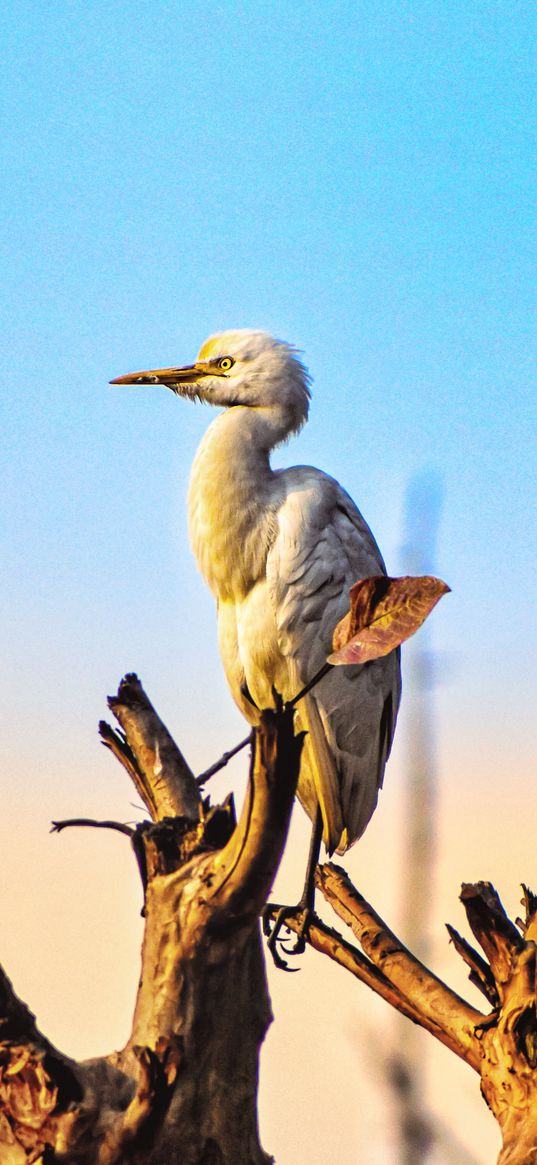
(500, 1045)
(184, 1089)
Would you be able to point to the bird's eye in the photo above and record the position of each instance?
(226, 363)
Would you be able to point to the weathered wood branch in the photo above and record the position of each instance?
(245, 867)
(480, 973)
(38, 1085)
(502, 1045)
(388, 968)
(494, 931)
(184, 1088)
(151, 757)
(330, 942)
(440, 1009)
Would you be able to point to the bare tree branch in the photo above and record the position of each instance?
(184, 1088)
(480, 973)
(494, 931)
(244, 869)
(69, 822)
(443, 1012)
(162, 777)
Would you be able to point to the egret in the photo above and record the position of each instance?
(280, 549)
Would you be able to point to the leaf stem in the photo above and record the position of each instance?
(311, 684)
(220, 764)
(227, 756)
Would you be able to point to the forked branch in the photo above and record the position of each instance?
(184, 1088)
(501, 1045)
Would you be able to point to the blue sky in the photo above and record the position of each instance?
(360, 180)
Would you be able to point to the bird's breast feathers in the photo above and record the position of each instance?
(250, 651)
(280, 559)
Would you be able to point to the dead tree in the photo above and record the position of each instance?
(184, 1089)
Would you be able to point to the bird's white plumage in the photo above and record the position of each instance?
(323, 546)
(280, 551)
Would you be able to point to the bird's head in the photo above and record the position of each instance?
(240, 368)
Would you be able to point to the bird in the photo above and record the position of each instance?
(280, 550)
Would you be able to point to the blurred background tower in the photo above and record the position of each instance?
(423, 504)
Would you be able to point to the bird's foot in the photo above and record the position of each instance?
(272, 927)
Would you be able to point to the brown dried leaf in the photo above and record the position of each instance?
(383, 613)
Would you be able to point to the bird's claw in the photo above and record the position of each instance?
(272, 928)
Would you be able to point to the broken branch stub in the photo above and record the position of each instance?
(151, 757)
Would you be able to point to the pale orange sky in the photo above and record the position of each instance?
(72, 930)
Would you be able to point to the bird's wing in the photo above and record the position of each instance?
(322, 546)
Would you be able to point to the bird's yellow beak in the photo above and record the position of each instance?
(171, 377)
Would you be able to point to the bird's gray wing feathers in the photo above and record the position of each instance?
(321, 548)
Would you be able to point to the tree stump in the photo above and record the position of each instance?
(184, 1089)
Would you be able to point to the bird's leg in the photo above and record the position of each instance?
(304, 906)
(308, 894)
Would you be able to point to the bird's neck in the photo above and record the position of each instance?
(232, 499)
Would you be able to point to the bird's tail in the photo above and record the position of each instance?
(317, 758)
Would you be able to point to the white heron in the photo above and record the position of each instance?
(280, 549)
